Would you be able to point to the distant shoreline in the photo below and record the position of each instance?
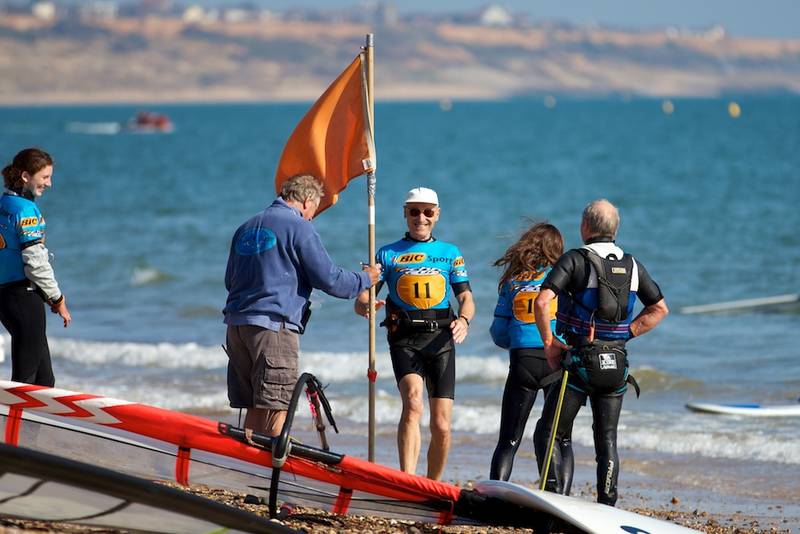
(167, 60)
(212, 100)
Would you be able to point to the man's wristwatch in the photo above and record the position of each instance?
(55, 302)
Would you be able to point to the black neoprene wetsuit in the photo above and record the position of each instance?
(570, 276)
(527, 368)
(22, 313)
(605, 418)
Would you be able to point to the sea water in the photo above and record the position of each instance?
(139, 227)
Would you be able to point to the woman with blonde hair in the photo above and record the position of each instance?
(527, 262)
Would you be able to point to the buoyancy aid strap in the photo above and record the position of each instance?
(555, 376)
(549, 379)
(632, 381)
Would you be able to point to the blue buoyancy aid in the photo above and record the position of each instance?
(604, 307)
(514, 324)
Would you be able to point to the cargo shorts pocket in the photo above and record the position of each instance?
(277, 370)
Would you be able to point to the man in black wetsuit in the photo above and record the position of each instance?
(597, 286)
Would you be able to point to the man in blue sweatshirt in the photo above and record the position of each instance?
(275, 261)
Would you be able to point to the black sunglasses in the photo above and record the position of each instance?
(427, 212)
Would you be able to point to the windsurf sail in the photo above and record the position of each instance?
(40, 486)
(160, 444)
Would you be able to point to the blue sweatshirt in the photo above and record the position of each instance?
(276, 259)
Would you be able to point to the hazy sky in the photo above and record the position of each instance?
(762, 18)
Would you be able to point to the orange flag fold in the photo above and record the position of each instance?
(333, 141)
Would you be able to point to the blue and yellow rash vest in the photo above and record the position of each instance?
(420, 275)
(514, 324)
(21, 225)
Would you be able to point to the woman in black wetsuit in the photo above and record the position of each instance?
(526, 263)
(26, 276)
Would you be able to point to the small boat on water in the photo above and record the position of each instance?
(150, 122)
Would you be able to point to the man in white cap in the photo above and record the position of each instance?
(421, 273)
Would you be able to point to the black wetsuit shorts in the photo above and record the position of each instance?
(431, 355)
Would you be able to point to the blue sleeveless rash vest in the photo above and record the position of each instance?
(419, 275)
(576, 312)
(515, 310)
(21, 225)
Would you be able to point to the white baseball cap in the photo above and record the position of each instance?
(423, 195)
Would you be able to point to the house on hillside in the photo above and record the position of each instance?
(97, 10)
(44, 10)
(144, 8)
(237, 14)
(197, 14)
(495, 15)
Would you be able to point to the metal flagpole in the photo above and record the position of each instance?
(372, 374)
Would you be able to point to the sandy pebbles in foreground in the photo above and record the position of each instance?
(315, 521)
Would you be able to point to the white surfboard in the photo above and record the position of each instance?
(591, 517)
(750, 410)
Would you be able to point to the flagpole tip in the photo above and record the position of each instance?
(370, 40)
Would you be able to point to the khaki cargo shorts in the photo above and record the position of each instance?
(262, 366)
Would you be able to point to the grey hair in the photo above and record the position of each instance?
(601, 218)
(302, 187)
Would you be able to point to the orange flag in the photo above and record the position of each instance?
(333, 141)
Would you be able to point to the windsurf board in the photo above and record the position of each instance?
(590, 517)
(746, 409)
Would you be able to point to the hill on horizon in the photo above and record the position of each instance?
(168, 60)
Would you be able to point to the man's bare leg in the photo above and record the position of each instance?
(441, 413)
(408, 434)
(265, 421)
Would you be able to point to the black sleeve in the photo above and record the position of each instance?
(460, 287)
(567, 274)
(649, 292)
